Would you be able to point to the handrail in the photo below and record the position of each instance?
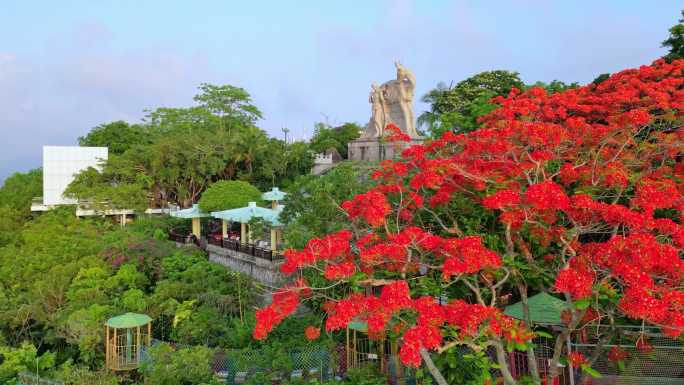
(231, 244)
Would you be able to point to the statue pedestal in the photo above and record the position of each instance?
(377, 149)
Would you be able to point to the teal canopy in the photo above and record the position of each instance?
(359, 326)
(245, 214)
(544, 309)
(274, 195)
(192, 212)
(128, 320)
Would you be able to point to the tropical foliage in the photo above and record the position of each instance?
(20, 188)
(576, 192)
(459, 108)
(185, 150)
(63, 277)
(226, 195)
(675, 42)
(326, 137)
(312, 207)
(118, 136)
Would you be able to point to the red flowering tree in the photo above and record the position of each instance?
(577, 193)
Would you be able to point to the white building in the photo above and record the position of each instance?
(60, 164)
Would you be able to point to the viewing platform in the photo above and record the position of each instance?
(256, 260)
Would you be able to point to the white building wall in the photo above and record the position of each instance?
(60, 163)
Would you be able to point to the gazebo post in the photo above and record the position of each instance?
(115, 365)
(137, 344)
(243, 233)
(347, 350)
(224, 228)
(274, 239)
(149, 334)
(196, 229)
(107, 347)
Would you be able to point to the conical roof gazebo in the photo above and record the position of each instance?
(244, 214)
(274, 196)
(126, 336)
(193, 213)
(544, 308)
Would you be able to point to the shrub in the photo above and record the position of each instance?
(226, 195)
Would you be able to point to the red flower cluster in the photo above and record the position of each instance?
(284, 303)
(617, 354)
(467, 255)
(396, 134)
(576, 282)
(371, 206)
(577, 359)
(502, 199)
(416, 338)
(547, 196)
(329, 248)
(339, 270)
(312, 333)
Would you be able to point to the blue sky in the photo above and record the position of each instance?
(70, 65)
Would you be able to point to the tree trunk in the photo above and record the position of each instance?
(503, 365)
(560, 341)
(531, 357)
(436, 374)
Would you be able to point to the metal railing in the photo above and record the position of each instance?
(230, 244)
(183, 238)
(32, 379)
(248, 248)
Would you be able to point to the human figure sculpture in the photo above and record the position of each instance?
(378, 115)
(392, 102)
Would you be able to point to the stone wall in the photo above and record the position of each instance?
(376, 149)
(262, 270)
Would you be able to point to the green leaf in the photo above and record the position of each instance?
(590, 371)
(544, 334)
(582, 304)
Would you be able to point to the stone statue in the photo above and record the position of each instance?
(378, 115)
(392, 102)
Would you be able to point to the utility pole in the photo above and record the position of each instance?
(285, 131)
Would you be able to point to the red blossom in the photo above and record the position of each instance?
(467, 255)
(616, 354)
(547, 196)
(577, 359)
(502, 199)
(396, 134)
(576, 282)
(339, 270)
(312, 333)
(371, 206)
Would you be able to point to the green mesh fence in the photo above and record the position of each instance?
(313, 362)
(663, 364)
(32, 379)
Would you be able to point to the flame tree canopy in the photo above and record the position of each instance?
(578, 193)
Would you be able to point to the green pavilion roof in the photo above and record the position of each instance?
(192, 212)
(128, 320)
(274, 195)
(544, 309)
(359, 326)
(245, 214)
